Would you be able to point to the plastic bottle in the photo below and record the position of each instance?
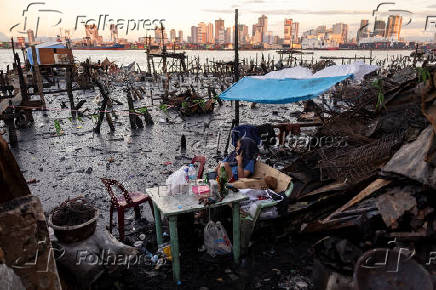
(186, 168)
(185, 188)
(192, 175)
(222, 181)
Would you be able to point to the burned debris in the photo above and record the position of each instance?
(359, 185)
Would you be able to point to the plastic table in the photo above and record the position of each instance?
(171, 206)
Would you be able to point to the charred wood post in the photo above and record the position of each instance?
(37, 77)
(109, 120)
(23, 86)
(9, 116)
(137, 119)
(148, 119)
(131, 110)
(103, 105)
(69, 87)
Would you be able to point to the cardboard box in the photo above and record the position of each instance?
(256, 181)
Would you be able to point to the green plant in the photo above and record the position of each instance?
(378, 84)
(200, 102)
(141, 110)
(164, 108)
(57, 126)
(423, 74)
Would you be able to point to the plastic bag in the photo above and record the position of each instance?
(216, 239)
(176, 182)
(265, 213)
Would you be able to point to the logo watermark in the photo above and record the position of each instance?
(101, 22)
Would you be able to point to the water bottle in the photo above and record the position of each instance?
(192, 174)
(186, 169)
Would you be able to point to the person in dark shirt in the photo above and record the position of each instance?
(240, 163)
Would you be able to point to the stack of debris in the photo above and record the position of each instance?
(379, 185)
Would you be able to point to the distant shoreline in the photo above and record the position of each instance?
(264, 49)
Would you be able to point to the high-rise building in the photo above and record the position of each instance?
(221, 36)
(219, 26)
(172, 35)
(393, 28)
(242, 34)
(363, 31)
(180, 36)
(337, 28)
(158, 33)
(194, 34)
(342, 30)
(295, 31)
(262, 23)
(228, 35)
(321, 29)
(257, 34)
(209, 34)
(291, 30)
(30, 36)
(287, 32)
(202, 33)
(379, 28)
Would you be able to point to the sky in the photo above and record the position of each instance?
(55, 15)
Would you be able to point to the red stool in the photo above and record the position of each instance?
(202, 161)
(121, 203)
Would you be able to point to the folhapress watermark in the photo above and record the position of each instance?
(34, 15)
(106, 257)
(104, 20)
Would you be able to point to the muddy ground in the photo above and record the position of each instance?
(70, 164)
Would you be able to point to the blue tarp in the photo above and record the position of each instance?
(279, 91)
(42, 45)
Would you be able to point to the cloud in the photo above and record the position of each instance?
(432, 6)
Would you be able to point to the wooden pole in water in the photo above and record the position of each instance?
(147, 51)
(69, 87)
(37, 76)
(236, 65)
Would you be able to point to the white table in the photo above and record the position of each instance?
(173, 205)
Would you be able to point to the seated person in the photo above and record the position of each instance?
(240, 163)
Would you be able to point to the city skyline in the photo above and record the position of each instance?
(218, 36)
(249, 10)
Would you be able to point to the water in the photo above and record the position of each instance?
(124, 57)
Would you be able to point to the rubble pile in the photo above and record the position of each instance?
(376, 189)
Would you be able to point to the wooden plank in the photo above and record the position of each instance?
(325, 188)
(46, 56)
(370, 189)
